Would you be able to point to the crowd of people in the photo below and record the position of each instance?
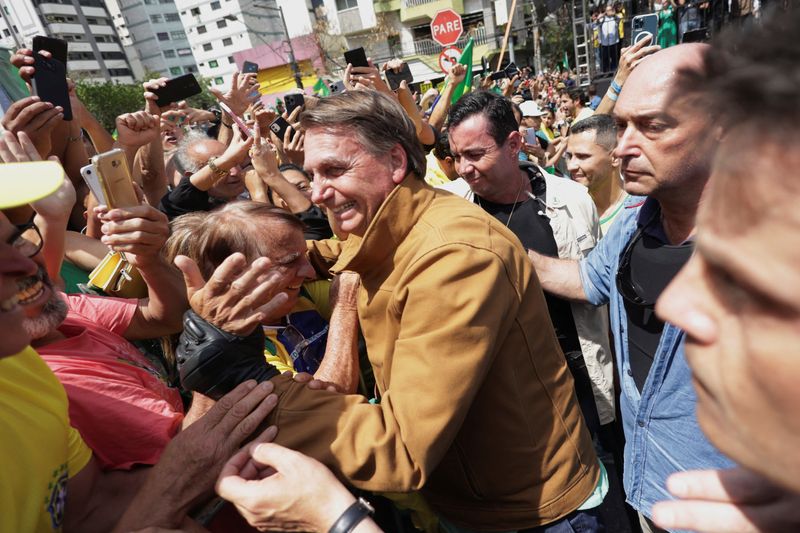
(476, 314)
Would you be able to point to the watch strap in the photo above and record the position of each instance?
(218, 172)
(352, 516)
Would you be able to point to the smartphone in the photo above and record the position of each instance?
(499, 75)
(279, 127)
(56, 47)
(247, 132)
(249, 67)
(293, 101)
(356, 57)
(177, 89)
(394, 78)
(50, 83)
(644, 25)
(92, 179)
(337, 87)
(115, 179)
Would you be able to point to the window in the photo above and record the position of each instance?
(175, 71)
(6, 33)
(219, 81)
(156, 19)
(215, 5)
(201, 29)
(341, 5)
(169, 53)
(207, 47)
(119, 72)
(227, 41)
(179, 34)
(112, 55)
(172, 17)
(213, 63)
(163, 36)
(195, 11)
(191, 68)
(231, 60)
(222, 23)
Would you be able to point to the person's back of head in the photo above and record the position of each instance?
(376, 120)
(497, 110)
(184, 159)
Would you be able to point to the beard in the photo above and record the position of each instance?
(52, 315)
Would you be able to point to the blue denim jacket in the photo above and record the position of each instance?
(661, 430)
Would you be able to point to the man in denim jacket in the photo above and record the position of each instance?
(665, 148)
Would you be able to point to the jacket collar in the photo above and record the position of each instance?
(397, 215)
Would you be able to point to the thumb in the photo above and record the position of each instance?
(274, 455)
(192, 277)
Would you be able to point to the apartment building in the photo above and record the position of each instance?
(153, 29)
(216, 29)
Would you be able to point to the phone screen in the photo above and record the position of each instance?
(49, 83)
(356, 57)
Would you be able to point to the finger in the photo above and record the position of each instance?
(734, 485)
(267, 288)
(273, 309)
(192, 277)
(226, 273)
(28, 147)
(225, 404)
(702, 516)
(5, 153)
(275, 455)
(303, 377)
(243, 419)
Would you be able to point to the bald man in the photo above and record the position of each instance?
(665, 147)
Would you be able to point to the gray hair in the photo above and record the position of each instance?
(377, 121)
(183, 161)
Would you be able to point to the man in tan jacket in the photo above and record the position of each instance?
(476, 407)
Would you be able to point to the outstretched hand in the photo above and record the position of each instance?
(237, 297)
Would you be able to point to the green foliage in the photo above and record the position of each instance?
(557, 38)
(108, 100)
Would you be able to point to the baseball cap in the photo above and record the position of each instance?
(26, 182)
(530, 108)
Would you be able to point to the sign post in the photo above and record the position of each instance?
(446, 27)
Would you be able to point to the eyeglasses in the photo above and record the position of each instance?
(23, 245)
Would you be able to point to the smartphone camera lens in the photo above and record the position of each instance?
(115, 163)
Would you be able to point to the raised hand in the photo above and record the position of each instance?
(237, 297)
(138, 129)
(139, 231)
(242, 93)
(36, 118)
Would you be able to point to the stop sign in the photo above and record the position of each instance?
(446, 27)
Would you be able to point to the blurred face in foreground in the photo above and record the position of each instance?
(738, 300)
(14, 268)
(348, 180)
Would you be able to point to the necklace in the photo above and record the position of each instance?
(513, 207)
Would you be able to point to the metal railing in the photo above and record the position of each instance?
(415, 3)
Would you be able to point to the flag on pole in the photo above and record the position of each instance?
(566, 61)
(466, 60)
(321, 88)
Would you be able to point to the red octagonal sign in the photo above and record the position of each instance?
(446, 27)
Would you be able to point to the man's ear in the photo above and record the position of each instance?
(398, 159)
(615, 161)
(514, 142)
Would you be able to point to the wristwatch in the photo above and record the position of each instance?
(352, 516)
(218, 172)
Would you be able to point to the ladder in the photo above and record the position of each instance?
(581, 31)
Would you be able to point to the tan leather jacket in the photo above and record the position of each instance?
(477, 406)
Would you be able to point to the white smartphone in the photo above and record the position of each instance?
(92, 179)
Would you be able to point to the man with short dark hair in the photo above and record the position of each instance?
(573, 105)
(591, 163)
(452, 317)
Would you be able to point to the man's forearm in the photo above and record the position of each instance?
(561, 277)
(101, 139)
(154, 175)
(166, 303)
(439, 112)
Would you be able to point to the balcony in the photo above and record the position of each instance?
(386, 6)
(66, 28)
(417, 9)
(57, 9)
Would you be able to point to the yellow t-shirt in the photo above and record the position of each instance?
(39, 450)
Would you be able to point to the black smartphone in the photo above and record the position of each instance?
(644, 25)
(50, 83)
(499, 75)
(56, 47)
(512, 70)
(249, 67)
(356, 57)
(293, 101)
(177, 89)
(394, 78)
(279, 127)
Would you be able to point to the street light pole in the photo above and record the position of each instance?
(292, 61)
